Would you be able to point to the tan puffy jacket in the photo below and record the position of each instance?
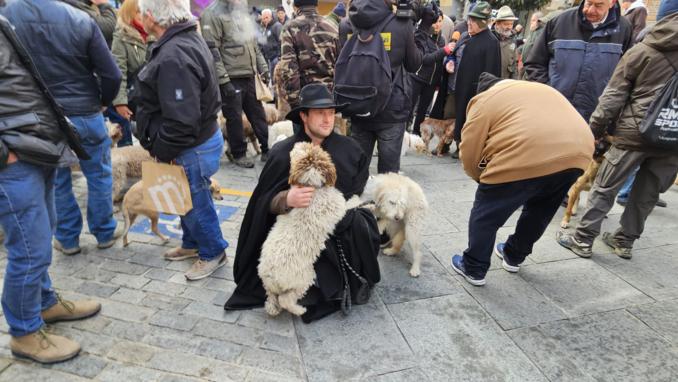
(637, 79)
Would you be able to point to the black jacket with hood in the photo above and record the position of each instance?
(431, 68)
(403, 52)
(32, 125)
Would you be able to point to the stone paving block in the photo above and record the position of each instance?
(115, 372)
(132, 282)
(94, 324)
(4, 363)
(398, 286)
(125, 312)
(580, 286)
(159, 301)
(166, 288)
(646, 271)
(65, 282)
(159, 274)
(179, 266)
(83, 365)
(453, 338)
(178, 378)
(115, 253)
(342, 348)
(545, 249)
(97, 289)
(228, 332)
(660, 316)
(172, 320)
(132, 331)
(171, 339)
(272, 362)
(212, 312)
(612, 346)
(131, 352)
(512, 302)
(278, 343)
(414, 374)
(258, 319)
(226, 372)
(130, 296)
(180, 278)
(220, 285)
(221, 350)
(260, 376)
(181, 363)
(19, 372)
(94, 272)
(154, 260)
(123, 267)
(91, 343)
(199, 294)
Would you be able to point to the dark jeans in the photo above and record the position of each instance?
(495, 203)
(389, 139)
(422, 97)
(245, 99)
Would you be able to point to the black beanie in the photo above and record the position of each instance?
(302, 3)
(486, 81)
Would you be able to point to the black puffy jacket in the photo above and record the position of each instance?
(31, 123)
(69, 51)
(432, 62)
(179, 94)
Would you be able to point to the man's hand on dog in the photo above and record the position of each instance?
(299, 197)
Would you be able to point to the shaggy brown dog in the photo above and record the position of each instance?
(585, 181)
(126, 162)
(132, 207)
(441, 128)
(340, 124)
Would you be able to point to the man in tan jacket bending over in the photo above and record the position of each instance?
(525, 145)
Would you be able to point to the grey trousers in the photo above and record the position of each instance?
(656, 174)
(389, 140)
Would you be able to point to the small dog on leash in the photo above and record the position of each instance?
(297, 238)
(132, 207)
(584, 182)
(400, 209)
(443, 129)
(412, 143)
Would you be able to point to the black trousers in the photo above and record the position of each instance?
(387, 136)
(245, 100)
(495, 203)
(422, 95)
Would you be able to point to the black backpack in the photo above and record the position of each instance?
(660, 126)
(362, 74)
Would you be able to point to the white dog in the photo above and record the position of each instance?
(400, 208)
(278, 129)
(294, 243)
(412, 143)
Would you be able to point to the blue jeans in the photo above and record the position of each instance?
(114, 117)
(495, 203)
(200, 226)
(27, 217)
(626, 188)
(97, 171)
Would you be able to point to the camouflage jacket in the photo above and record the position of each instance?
(233, 32)
(310, 47)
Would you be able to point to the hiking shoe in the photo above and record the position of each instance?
(507, 264)
(66, 251)
(244, 162)
(43, 347)
(178, 253)
(119, 230)
(203, 268)
(264, 156)
(458, 266)
(570, 242)
(609, 240)
(65, 310)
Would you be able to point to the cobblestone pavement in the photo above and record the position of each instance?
(561, 318)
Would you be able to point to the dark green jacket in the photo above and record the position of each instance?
(129, 50)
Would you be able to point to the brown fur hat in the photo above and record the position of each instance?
(305, 156)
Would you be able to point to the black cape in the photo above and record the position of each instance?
(481, 54)
(357, 231)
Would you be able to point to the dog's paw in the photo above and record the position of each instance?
(415, 271)
(297, 310)
(390, 252)
(272, 309)
(564, 224)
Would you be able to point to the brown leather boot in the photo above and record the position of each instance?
(65, 310)
(43, 347)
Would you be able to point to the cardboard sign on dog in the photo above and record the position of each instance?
(166, 188)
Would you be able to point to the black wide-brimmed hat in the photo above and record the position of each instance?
(313, 96)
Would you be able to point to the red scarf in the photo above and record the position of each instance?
(141, 29)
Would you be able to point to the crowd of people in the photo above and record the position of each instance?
(528, 111)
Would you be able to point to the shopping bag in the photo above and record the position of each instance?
(166, 188)
(263, 92)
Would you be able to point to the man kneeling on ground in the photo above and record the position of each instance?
(273, 196)
(522, 152)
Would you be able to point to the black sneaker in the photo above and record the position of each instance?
(507, 264)
(570, 242)
(458, 266)
(264, 156)
(661, 203)
(244, 162)
(624, 253)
